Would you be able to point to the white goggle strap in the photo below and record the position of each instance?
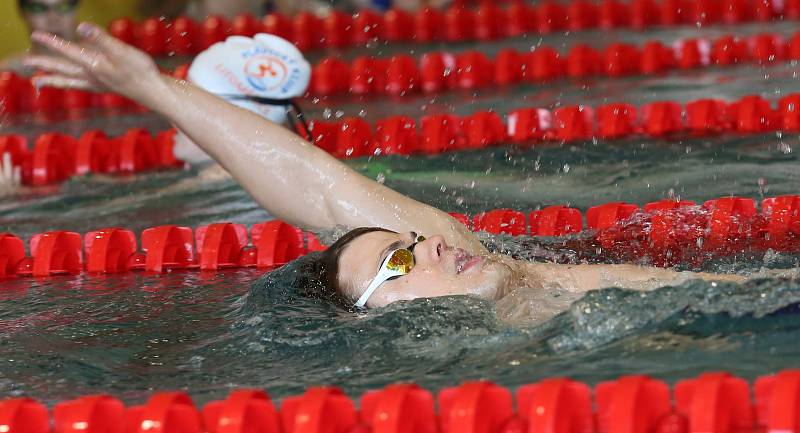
(383, 275)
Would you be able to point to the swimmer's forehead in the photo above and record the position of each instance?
(361, 258)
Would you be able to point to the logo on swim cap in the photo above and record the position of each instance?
(265, 73)
(275, 73)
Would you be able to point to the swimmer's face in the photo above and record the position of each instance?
(53, 16)
(439, 270)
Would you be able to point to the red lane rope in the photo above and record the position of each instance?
(353, 137)
(667, 232)
(714, 402)
(438, 72)
(18, 95)
(56, 157)
(184, 36)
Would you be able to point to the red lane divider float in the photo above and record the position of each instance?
(354, 137)
(56, 157)
(714, 402)
(437, 72)
(184, 36)
(18, 95)
(664, 233)
(114, 250)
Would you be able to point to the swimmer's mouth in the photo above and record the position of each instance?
(465, 261)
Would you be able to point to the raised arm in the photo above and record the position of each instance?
(291, 178)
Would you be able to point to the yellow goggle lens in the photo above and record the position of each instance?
(401, 261)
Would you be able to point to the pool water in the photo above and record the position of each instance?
(131, 334)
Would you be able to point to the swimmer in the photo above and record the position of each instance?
(401, 249)
(54, 16)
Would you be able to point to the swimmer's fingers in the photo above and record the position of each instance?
(10, 176)
(97, 38)
(64, 82)
(65, 74)
(133, 63)
(107, 61)
(88, 58)
(54, 65)
(6, 169)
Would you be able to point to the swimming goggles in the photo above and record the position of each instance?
(398, 262)
(294, 115)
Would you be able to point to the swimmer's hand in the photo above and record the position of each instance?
(97, 62)
(10, 175)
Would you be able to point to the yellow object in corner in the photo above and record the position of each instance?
(14, 36)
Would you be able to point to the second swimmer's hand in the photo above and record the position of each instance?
(97, 62)
(10, 176)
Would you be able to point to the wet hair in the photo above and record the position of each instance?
(315, 275)
(330, 264)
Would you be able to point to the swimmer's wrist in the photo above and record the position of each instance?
(159, 96)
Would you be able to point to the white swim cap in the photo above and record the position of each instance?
(264, 66)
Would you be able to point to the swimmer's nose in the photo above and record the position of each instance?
(431, 249)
